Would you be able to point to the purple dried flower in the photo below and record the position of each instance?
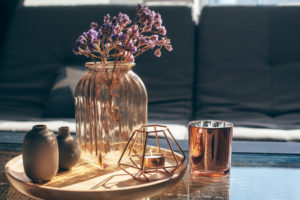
(169, 47)
(107, 45)
(150, 17)
(115, 37)
(142, 40)
(102, 29)
(121, 38)
(94, 25)
(85, 34)
(130, 45)
(75, 51)
(158, 19)
(147, 28)
(162, 30)
(167, 41)
(135, 27)
(92, 47)
(80, 44)
(134, 50)
(107, 30)
(81, 40)
(128, 57)
(119, 45)
(110, 29)
(145, 15)
(157, 16)
(124, 19)
(151, 45)
(117, 29)
(114, 21)
(106, 19)
(157, 25)
(92, 34)
(154, 38)
(136, 34)
(85, 52)
(100, 36)
(140, 6)
(157, 53)
(129, 31)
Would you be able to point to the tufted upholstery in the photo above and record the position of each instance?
(40, 43)
(248, 66)
(240, 64)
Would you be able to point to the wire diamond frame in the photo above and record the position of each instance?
(132, 160)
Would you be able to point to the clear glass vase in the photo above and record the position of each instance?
(111, 102)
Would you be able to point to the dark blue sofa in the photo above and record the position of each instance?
(240, 64)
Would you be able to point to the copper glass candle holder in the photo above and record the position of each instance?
(210, 147)
(145, 162)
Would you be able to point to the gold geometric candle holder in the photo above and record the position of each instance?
(144, 162)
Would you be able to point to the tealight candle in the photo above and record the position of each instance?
(153, 161)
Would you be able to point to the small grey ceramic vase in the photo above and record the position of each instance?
(69, 150)
(40, 154)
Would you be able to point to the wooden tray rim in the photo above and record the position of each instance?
(178, 175)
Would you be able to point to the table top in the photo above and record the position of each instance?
(252, 176)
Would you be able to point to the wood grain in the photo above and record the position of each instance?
(86, 181)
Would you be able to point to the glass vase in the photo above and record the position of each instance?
(111, 102)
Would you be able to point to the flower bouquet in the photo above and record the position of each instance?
(120, 40)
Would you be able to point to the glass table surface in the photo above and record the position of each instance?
(252, 176)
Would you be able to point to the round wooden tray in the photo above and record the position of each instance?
(85, 181)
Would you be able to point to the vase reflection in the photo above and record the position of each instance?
(201, 187)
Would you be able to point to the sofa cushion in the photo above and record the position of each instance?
(168, 79)
(288, 121)
(286, 87)
(7, 9)
(240, 118)
(248, 65)
(24, 88)
(285, 59)
(60, 103)
(179, 131)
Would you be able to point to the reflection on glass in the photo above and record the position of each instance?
(201, 187)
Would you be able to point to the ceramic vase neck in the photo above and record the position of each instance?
(64, 131)
(40, 127)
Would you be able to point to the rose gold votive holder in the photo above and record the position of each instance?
(210, 143)
(146, 162)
